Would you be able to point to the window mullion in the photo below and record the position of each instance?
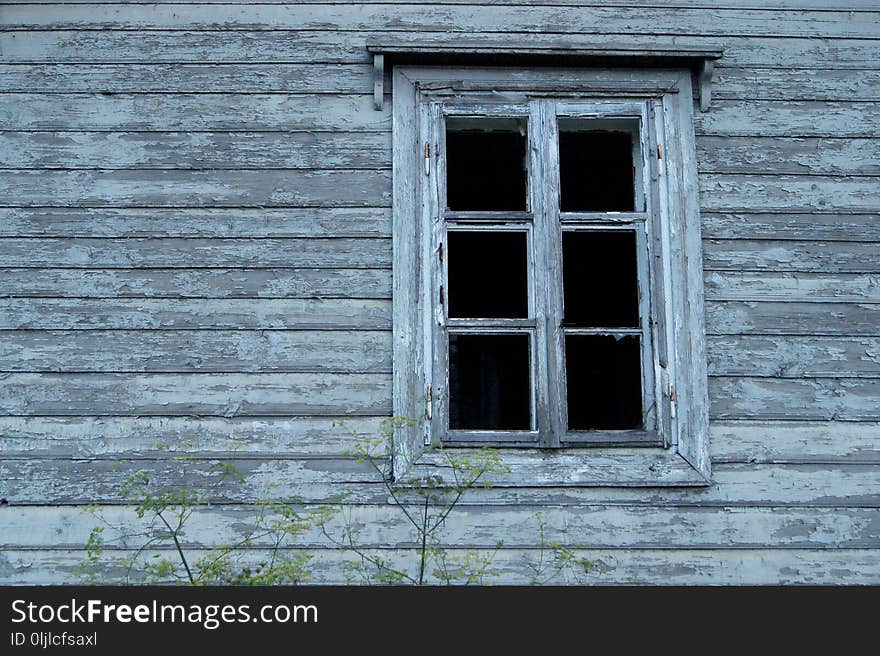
(544, 190)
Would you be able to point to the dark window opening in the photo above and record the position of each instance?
(485, 165)
(489, 382)
(595, 170)
(604, 382)
(487, 274)
(600, 279)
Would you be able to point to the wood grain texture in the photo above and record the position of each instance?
(207, 223)
(787, 155)
(186, 78)
(327, 150)
(794, 357)
(624, 566)
(196, 283)
(734, 193)
(232, 314)
(372, 188)
(791, 256)
(791, 226)
(821, 5)
(823, 399)
(278, 437)
(195, 150)
(728, 83)
(601, 527)
(123, 437)
(184, 112)
(794, 442)
(450, 18)
(789, 118)
(224, 395)
(170, 252)
(249, 188)
(318, 480)
(797, 286)
(196, 351)
(791, 318)
(331, 46)
(250, 112)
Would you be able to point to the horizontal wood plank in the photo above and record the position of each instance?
(790, 256)
(196, 351)
(723, 318)
(794, 226)
(851, 5)
(195, 150)
(737, 193)
(232, 314)
(794, 442)
(786, 155)
(463, 18)
(372, 188)
(825, 399)
(794, 357)
(61, 481)
(207, 223)
(332, 46)
(224, 395)
(812, 287)
(196, 283)
(285, 112)
(383, 525)
(327, 150)
(249, 188)
(184, 112)
(775, 318)
(127, 437)
(788, 118)
(623, 566)
(186, 78)
(122, 437)
(729, 83)
(222, 437)
(163, 253)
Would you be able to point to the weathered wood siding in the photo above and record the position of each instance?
(195, 248)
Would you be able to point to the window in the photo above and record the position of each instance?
(548, 283)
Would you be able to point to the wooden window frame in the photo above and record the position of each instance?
(670, 278)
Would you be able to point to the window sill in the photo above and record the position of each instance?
(573, 467)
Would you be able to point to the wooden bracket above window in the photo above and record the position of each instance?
(700, 60)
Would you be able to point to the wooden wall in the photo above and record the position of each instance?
(195, 252)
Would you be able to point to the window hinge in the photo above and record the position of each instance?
(427, 158)
(672, 401)
(659, 151)
(441, 294)
(428, 404)
(440, 251)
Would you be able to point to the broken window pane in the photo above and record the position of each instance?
(487, 274)
(489, 382)
(596, 171)
(485, 164)
(600, 279)
(604, 382)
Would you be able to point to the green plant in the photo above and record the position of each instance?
(555, 559)
(424, 503)
(163, 518)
